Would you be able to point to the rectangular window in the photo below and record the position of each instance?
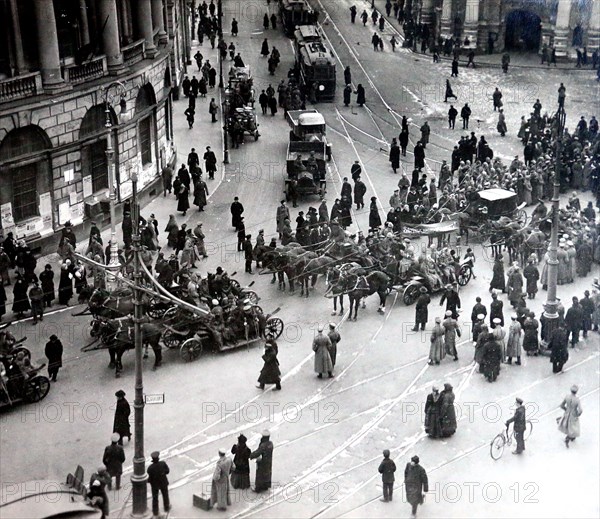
(145, 139)
(98, 165)
(24, 185)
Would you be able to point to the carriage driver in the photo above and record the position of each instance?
(313, 167)
(298, 164)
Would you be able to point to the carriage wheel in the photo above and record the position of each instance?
(37, 388)
(410, 295)
(528, 430)
(497, 446)
(464, 275)
(171, 340)
(154, 309)
(170, 313)
(273, 328)
(252, 295)
(521, 217)
(25, 351)
(191, 349)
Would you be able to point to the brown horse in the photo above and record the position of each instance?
(358, 286)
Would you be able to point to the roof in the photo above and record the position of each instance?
(496, 194)
(307, 33)
(311, 119)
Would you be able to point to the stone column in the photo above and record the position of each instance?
(427, 13)
(447, 20)
(144, 17)
(471, 22)
(107, 11)
(561, 28)
(85, 26)
(48, 45)
(125, 23)
(593, 41)
(158, 20)
(21, 67)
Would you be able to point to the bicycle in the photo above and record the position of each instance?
(505, 439)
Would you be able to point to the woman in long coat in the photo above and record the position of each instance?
(513, 343)
(447, 412)
(437, 351)
(532, 275)
(514, 286)
(564, 267)
(569, 423)
(394, 155)
(121, 424)
(240, 477)
(200, 194)
(264, 463)
(498, 281)
(172, 229)
(530, 336)
(189, 253)
(374, 218)
(482, 338)
(183, 202)
(264, 49)
(270, 373)
(21, 300)
(65, 284)
(432, 413)
(360, 95)
(451, 330)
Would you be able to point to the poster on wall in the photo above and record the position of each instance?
(87, 186)
(45, 213)
(6, 215)
(64, 213)
(77, 211)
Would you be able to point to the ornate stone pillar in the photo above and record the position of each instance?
(126, 29)
(593, 41)
(561, 28)
(144, 17)
(446, 31)
(158, 20)
(427, 12)
(48, 45)
(107, 10)
(21, 66)
(85, 26)
(471, 25)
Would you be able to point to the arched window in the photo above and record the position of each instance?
(93, 150)
(24, 170)
(144, 102)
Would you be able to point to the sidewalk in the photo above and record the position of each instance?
(517, 59)
(203, 134)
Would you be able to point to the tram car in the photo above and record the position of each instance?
(315, 61)
(295, 13)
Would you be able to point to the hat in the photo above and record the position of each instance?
(247, 308)
(519, 400)
(155, 455)
(119, 394)
(373, 198)
(115, 437)
(320, 328)
(222, 452)
(266, 433)
(53, 337)
(513, 317)
(497, 320)
(448, 313)
(262, 231)
(242, 438)
(574, 388)
(415, 459)
(215, 302)
(423, 290)
(386, 453)
(96, 483)
(332, 326)
(481, 317)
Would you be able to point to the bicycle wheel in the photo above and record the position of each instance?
(497, 446)
(528, 430)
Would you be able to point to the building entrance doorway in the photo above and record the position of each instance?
(523, 31)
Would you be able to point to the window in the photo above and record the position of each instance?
(24, 185)
(145, 139)
(97, 165)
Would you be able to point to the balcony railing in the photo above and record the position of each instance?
(19, 87)
(92, 69)
(134, 52)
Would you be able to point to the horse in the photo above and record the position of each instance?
(119, 335)
(111, 305)
(289, 263)
(358, 287)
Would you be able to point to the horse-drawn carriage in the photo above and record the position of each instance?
(238, 106)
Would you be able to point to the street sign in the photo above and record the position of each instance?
(154, 399)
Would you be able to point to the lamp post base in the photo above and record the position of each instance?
(549, 322)
(112, 281)
(139, 495)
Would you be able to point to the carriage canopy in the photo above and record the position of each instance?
(498, 202)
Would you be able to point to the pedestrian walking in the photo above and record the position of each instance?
(334, 338)
(183, 201)
(121, 424)
(451, 331)
(234, 27)
(158, 481)
(498, 281)
(387, 467)
(359, 193)
(210, 162)
(505, 62)
(421, 309)
(264, 463)
(393, 43)
(270, 373)
(452, 300)
(241, 235)
(374, 218)
(167, 179)
(248, 253)
(263, 101)
(415, 483)
(394, 157)
(321, 346)
(240, 475)
(273, 105)
(36, 297)
(519, 425)
(200, 194)
(559, 347)
(432, 413)
(465, 114)
(353, 14)
(190, 115)
(236, 209)
(425, 132)
(513, 343)
(452, 113)
(113, 459)
(447, 414)
(54, 352)
(219, 492)
(501, 126)
(569, 423)
(360, 95)
(437, 351)
(562, 95)
(574, 321)
(213, 109)
(20, 299)
(532, 275)
(449, 93)
(454, 68)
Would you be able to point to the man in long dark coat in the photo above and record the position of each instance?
(447, 414)
(419, 153)
(237, 209)
(432, 413)
(421, 310)
(54, 352)
(113, 459)
(359, 193)
(158, 481)
(452, 300)
(210, 162)
(491, 358)
(270, 373)
(264, 463)
(496, 310)
(559, 347)
(415, 483)
(122, 411)
(574, 321)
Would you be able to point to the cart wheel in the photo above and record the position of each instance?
(497, 446)
(25, 351)
(464, 275)
(37, 388)
(252, 295)
(528, 430)
(191, 349)
(154, 309)
(521, 217)
(410, 295)
(171, 340)
(256, 135)
(273, 328)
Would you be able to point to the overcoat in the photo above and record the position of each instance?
(569, 423)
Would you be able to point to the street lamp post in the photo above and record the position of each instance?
(115, 90)
(139, 477)
(225, 111)
(220, 32)
(550, 308)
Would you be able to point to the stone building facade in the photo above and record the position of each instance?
(513, 24)
(76, 75)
